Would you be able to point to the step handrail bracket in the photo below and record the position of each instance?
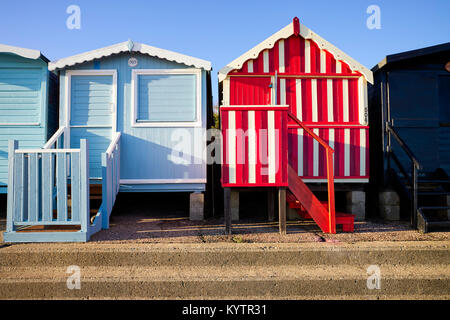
(330, 172)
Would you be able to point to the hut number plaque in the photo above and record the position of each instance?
(132, 62)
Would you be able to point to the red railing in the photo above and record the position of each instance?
(330, 170)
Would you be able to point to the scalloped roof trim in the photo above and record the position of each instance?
(23, 52)
(285, 33)
(129, 46)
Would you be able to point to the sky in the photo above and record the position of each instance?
(221, 31)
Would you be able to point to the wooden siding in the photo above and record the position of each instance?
(322, 92)
(23, 99)
(146, 152)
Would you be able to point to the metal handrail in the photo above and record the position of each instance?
(415, 168)
(402, 144)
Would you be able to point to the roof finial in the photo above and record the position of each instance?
(130, 45)
(296, 24)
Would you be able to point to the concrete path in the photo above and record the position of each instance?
(407, 270)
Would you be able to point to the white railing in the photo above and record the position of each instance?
(110, 178)
(57, 140)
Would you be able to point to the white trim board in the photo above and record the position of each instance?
(23, 52)
(170, 124)
(285, 33)
(129, 46)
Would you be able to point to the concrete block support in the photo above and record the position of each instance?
(234, 204)
(356, 204)
(196, 206)
(389, 204)
(292, 214)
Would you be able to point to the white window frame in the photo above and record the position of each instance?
(148, 123)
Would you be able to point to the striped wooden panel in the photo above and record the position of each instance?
(255, 147)
(326, 95)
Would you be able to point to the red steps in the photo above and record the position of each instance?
(347, 220)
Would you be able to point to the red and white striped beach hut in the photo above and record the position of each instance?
(289, 105)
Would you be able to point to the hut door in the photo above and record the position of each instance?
(92, 112)
(250, 91)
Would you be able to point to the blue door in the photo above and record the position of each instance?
(92, 113)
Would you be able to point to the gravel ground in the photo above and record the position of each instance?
(172, 228)
(163, 219)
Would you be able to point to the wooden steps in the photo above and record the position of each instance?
(308, 207)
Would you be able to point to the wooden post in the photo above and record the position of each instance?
(84, 180)
(105, 183)
(282, 210)
(271, 204)
(12, 146)
(227, 210)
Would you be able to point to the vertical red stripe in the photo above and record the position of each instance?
(245, 178)
(225, 154)
(239, 147)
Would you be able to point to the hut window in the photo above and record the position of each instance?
(168, 97)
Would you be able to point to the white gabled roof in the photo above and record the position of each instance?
(129, 46)
(285, 33)
(23, 52)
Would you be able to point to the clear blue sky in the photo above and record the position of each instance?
(220, 31)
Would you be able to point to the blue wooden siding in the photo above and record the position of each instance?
(91, 100)
(146, 152)
(23, 99)
(99, 140)
(20, 95)
(167, 97)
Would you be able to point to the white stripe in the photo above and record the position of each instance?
(323, 61)
(346, 152)
(298, 97)
(316, 155)
(362, 152)
(232, 146)
(300, 152)
(266, 60)
(250, 66)
(363, 101)
(281, 68)
(226, 92)
(307, 57)
(251, 147)
(338, 67)
(345, 99)
(283, 91)
(330, 100)
(314, 100)
(271, 151)
(273, 98)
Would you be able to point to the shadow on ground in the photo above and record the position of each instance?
(164, 218)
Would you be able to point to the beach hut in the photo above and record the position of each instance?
(294, 114)
(132, 118)
(28, 102)
(410, 114)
